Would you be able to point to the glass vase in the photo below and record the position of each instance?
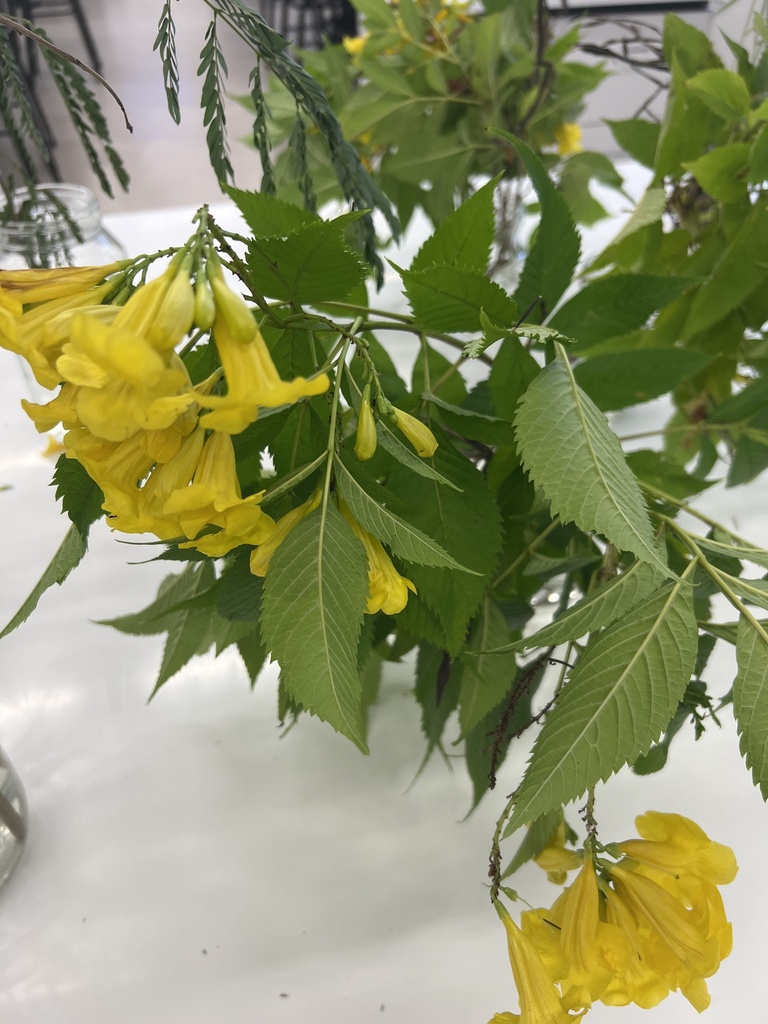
(54, 225)
(13, 818)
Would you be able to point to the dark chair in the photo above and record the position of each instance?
(308, 24)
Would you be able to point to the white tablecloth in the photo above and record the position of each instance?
(187, 864)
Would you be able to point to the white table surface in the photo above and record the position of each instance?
(187, 865)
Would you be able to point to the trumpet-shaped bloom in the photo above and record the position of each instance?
(214, 499)
(19, 288)
(540, 1001)
(418, 433)
(118, 468)
(61, 409)
(125, 384)
(679, 846)
(39, 334)
(262, 555)
(679, 940)
(164, 480)
(638, 983)
(388, 590)
(365, 441)
(251, 376)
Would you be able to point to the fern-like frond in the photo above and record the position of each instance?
(261, 132)
(213, 70)
(16, 111)
(165, 43)
(87, 117)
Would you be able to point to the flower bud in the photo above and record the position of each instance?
(365, 442)
(233, 310)
(205, 307)
(418, 433)
(176, 314)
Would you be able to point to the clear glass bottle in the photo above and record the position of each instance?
(54, 225)
(13, 818)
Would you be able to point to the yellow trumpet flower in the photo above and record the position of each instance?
(568, 138)
(540, 1001)
(388, 590)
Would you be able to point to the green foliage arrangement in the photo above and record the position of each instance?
(335, 510)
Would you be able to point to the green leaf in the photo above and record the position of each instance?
(156, 617)
(571, 453)
(620, 698)
(649, 210)
(81, 498)
(268, 217)
(404, 539)
(436, 691)
(314, 599)
(486, 678)
(406, 456)
(464, 238)
(535, 839)
(615, 305)
(513, 370)
(722, 172)
(638, 138)
(652, 467)
(189, 629)
(68, 556)
(452, 298)
(688, 127)
(750, 702)
(552, 258)
(251, 650)
(618, 379)
(604, 605)
(469, 423)
(742, 552)
(238, 595)
(724, 92)
(738, 272)
(313, 264)
(466, 524)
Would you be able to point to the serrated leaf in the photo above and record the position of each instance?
(173, 591)
(743, 552)
(238, 595)
(615, 305)
(67, 557)
(552, 258)
(81, 498)
(466, 524)
(571, 453)
(615, 380)
(464, 238)
(638, 138)
(603, 606)
(251, 650)
(513, 370)
(436, 691)
(314, 599)
(404, 539)
(312, 264)
(620, 697)
(486, 678)
(406, 456)
(189, 629)
(724, 92)
(722, 172)
(750, 702)
(738, 272)
(472, 424)
(266, 216)
(452, 299)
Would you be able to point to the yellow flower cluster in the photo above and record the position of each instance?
(626, 932)
(158, 447)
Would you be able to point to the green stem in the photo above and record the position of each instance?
(528, 550)
(668, 499)
(719, 578)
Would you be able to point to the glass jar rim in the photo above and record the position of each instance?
(57, 204)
